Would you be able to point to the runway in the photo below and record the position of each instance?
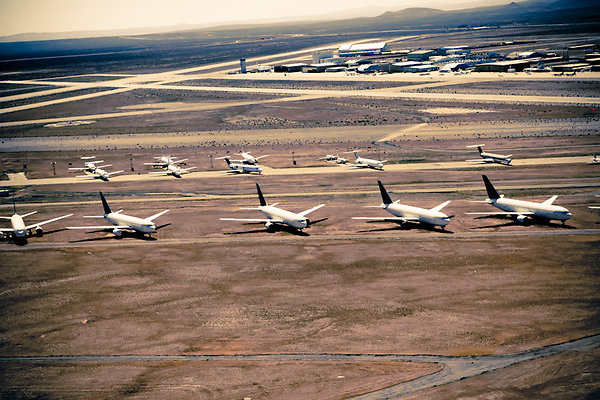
(454, 368)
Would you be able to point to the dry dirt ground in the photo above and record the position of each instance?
(202, 286)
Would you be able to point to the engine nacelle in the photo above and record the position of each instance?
(39, 232)
(117, 232)
(269, 226)
(521, 219)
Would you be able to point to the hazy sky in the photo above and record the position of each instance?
(25, 16)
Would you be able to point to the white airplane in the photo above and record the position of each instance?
(241, 168)
(119, 221)
(335, 159)
(174, 170)
(362, 162)
(491, 157)
(165, 161)
(248, 158)
(99, 173)
(19, 231)
(89, 166)
(522, 210)
(277, 215)
(404, 213)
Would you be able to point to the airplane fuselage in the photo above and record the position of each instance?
(18, 226)
(138, 224)
(289, 218)
(245, 168)
(538, 209)
(497, 158)
(369, 163)
(434, 218)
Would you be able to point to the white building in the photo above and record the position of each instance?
(363, 49)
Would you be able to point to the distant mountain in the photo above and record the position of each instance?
(527, 12)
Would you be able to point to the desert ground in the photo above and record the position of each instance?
(217, 309)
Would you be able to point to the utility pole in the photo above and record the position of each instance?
(211, 161)
(293, 159)
(53, 167)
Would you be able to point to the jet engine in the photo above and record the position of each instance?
(269, 226)
(39, 232)
(521, 219)
(117, 232)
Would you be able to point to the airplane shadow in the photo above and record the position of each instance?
(125, 235)
(406, 226)
(273, 229)
(537, 222)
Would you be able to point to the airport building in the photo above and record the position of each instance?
(503, 66)
(363, 49)
(289, 67)
(420, 55)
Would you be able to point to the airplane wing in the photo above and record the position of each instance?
(6, 230)
(391, 219)
(180, 161)
(47, 221)
(100, 227)
(438, 208)
(258, 158)
(157, 215)
(88, 176)
(154, 164)
(257, 220)
(306, 212)
(550, 200)
(188, 169)
(359, 165)
(161, 173)
(502, 213)
(115, 172)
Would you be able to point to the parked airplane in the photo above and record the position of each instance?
(165, 161)
(241, 168)
(121, 221)
(335, 159)
(89, 166)
(362, 162)
(19, 231)
(491, 157)
(99, 173)
(596, 159)
(249, 159)
(522, 210)
(174, 170)
(277, 215)
(404, 213)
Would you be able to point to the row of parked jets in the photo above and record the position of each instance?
(118, 222)
(248, 163)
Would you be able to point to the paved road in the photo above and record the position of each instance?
(453, 368)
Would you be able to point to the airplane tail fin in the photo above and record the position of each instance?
(260, 196)
(480, 149)
(107, 209)
(384, 194)
(491, 191)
